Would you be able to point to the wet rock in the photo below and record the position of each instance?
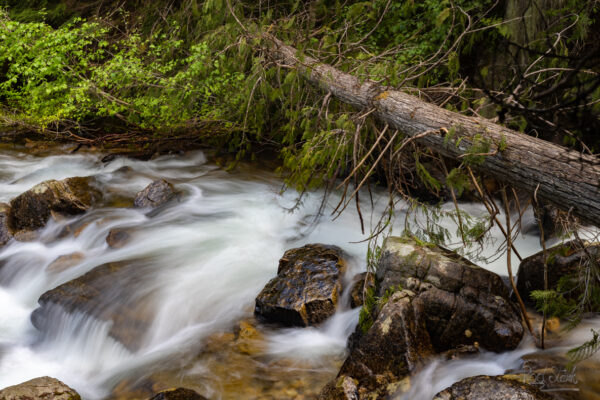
(106, 293)
(5, 232)
(564, 261)
(32, 209)
(395, 345)
(118, 238)
(430, 301)
(306, 289)
(342, 388)
(362, 284)
(462, 303)
(491, 387)
(155, 194)
(65, 262)
(44, 388)
(178, 394)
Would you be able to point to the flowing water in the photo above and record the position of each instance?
(196, 266)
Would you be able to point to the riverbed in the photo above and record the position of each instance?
(200, 261)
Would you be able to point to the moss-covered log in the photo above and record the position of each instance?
(566, 178)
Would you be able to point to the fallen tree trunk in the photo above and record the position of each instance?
(567, 179)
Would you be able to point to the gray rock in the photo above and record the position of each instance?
(44, 388)
(489, 388)
(5, 232)
(155, 194)
(564, 260)
(461, 302)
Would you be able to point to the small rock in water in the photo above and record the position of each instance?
(178, 394)
(118, 238)
(155, 194)
(44, 388)
(491, 387)
(306, 289)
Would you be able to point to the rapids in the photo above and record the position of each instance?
(204, 259)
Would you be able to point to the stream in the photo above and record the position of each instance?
(199, 264)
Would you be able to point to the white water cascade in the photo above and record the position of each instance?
(202, 261)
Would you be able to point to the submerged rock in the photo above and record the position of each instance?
(491, 387)
(118, 238)
(5, 232)
(564, 261)
(65, 262)
(106, 293)
(32, 209)
(155, 194)
(178, 394)
(44, 388)
(363, 283)
(306, 289)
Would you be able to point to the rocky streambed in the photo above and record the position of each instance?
(173, 279)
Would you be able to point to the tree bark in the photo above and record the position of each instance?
(568, 179)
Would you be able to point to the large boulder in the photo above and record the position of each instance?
(106, 293)
(5, 232)
(491, 387)
(429, 300)
(395, 345)
(178, 394)
(306, 289)
(461, 302)
(155, 194)
(564, 261)
(32, 209)
(44, 388)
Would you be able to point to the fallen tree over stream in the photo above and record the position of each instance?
(565, 178)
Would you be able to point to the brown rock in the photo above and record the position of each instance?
(362, 284)
(44, 388)
(118, 238)
(32, 209)
(155, 194)
(306, 289)
(178, 394)
(491, 387)
(107, 293)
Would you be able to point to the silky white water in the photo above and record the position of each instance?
(203, 261)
